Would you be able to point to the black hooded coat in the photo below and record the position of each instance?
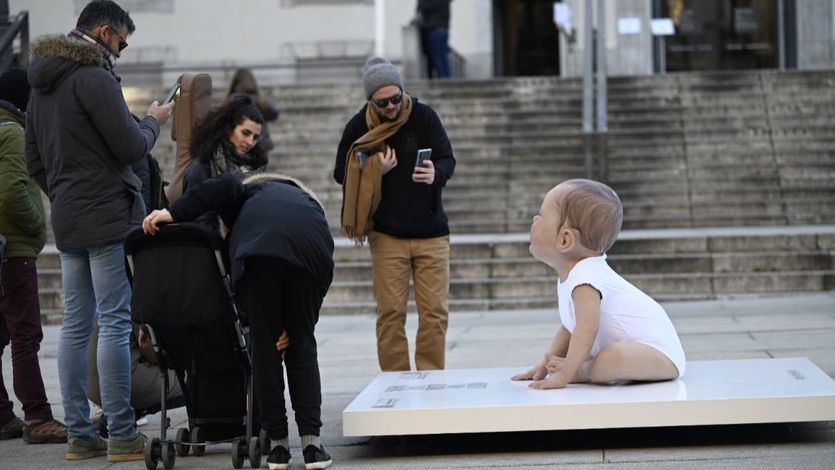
(81, 141)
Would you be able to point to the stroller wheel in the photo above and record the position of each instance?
(238, 452)
(168, 455)
(182, 436)
(254, 452)
(152, 453)
(266, 445)
(195, 438)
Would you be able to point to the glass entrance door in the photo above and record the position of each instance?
(721, 34)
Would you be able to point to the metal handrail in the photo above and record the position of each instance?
(457, 64)
(225, 67)
(19, 26)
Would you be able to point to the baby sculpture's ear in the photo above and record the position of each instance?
(566, 240)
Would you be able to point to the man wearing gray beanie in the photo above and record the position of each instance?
(393, 161)
(377, 73)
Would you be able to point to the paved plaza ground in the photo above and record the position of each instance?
(752, 327)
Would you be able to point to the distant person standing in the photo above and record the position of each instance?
(244, 82)
(395, 200)
(23, 224)
(81, 141)
(433, 18)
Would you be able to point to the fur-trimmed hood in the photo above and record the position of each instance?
(56, 57)
(266, 177)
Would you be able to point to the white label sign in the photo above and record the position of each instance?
(629, 26)
(563, 17)
(662, 27)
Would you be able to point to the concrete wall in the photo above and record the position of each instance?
(246, 32)
(218, 31)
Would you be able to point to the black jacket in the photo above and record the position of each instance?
(407, 209)
(274, 219)
(434, 13)
(81, 141)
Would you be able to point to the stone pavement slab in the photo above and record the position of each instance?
(732, 328)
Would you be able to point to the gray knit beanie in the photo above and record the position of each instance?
(377, 73)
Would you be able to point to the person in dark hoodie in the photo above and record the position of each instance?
(433, 18)
(410, 233)
(80, 144)
(282, 266)
(23, 224)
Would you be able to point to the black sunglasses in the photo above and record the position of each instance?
(395, 100)
(122, 43)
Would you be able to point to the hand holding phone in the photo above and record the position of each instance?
(423, 154)
(171, 93)
(424, 168)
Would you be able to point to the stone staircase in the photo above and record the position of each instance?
(497, 272)
(687, 153)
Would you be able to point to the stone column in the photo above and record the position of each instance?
(815, 42)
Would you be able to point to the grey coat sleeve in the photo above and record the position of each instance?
(100, 95)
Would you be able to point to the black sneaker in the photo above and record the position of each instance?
(279, 458)
(316, 457)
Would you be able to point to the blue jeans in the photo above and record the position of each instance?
(96, 285)
(438, 53)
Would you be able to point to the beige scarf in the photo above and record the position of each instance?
(362, 190)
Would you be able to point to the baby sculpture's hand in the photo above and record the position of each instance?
(555, 364)
(537, 372)
(553, 381)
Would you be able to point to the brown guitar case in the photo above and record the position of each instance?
(194, 102)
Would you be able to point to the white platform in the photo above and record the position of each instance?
(486, 400)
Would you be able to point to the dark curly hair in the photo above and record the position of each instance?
(216, 126)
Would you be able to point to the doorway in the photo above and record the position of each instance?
(726, 34)
(526, 38)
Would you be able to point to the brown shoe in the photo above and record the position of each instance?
(45, 432)
(80, 448)
(12, 430)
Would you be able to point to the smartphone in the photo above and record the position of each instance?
(171, 93)
(423, 154)
(362, 156)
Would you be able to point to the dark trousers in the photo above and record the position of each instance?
(277, 297)
(20, 324)
(436, 40)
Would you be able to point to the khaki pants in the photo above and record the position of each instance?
(393, 260)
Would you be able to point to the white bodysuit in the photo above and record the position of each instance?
(626, 313)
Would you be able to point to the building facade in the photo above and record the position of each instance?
(299, 41)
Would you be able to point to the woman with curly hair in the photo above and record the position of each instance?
(224, 142)
(244, 82)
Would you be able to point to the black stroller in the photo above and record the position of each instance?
(182, 292)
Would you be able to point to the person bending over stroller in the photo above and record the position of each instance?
(281, 251)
